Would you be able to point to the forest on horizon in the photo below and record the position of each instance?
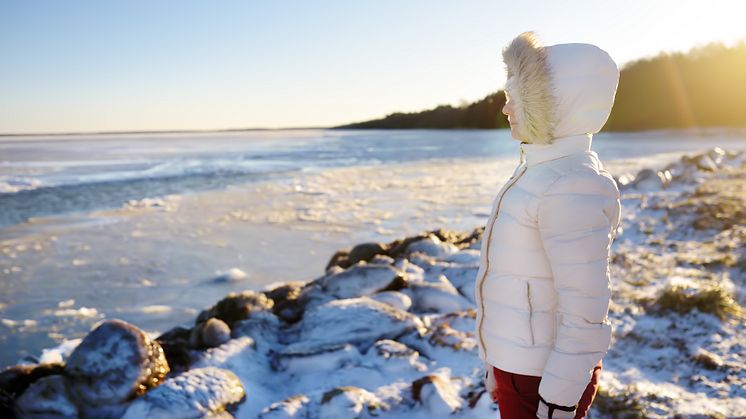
(704, 87)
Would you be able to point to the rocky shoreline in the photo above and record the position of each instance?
(387, 331)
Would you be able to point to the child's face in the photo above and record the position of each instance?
(510, 113)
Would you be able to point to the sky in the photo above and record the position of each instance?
(92, 66)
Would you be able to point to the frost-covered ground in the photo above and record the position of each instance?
(387, 331)
(153, 259)
(679, 282)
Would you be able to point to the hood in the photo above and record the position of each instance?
(559, 90)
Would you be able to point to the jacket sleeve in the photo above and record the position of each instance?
(577, 217)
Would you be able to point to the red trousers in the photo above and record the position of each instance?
(517, 395)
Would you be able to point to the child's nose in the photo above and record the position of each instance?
(507, 109)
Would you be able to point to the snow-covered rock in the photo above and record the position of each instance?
(454, 330)
(456, 274)
(292, 309)
(197, 393)
(359, 280)
(395, 299)
(441, 297)
(705, 162)
(302, 358)
(437, 395)
(358, 321)
(467, 257)
(649, 179)
(391, 357)
(432, 246)
(47, 397)
(113, 363)
(263, 327)
(734, 159)
(381, 260)
(681, 172)
(292, 407)
(414, 272)
(236, 307)
(350, 402)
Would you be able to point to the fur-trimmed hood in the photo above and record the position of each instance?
(558, 90)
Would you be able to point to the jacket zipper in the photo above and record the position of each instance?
(487, 255)
(530, 312)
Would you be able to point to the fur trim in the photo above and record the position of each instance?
(529, 88)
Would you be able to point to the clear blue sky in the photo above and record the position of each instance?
(157, 65)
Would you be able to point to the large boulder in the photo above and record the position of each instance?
(113, 364)
(358, 321)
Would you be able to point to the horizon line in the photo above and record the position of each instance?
(166, 131)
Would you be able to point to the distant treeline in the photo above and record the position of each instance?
(703, 87)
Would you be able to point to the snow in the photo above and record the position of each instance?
(231, 275)
(360, 352)
(59, 353)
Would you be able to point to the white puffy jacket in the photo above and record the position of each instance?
(543, 287)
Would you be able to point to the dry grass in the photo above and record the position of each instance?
(619, 406)
(712, 299)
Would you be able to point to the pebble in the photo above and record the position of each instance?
(214, 332)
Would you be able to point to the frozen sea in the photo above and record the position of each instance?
(144, 227)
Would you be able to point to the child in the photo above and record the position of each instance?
(543, 287)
